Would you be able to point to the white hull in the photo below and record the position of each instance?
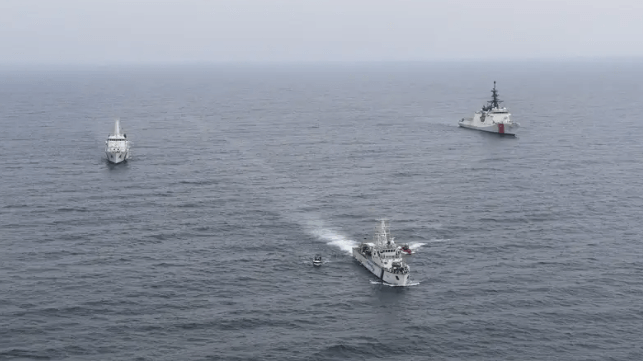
(397, 279)
(117, 145)
(492, 128)
(492, 118)
(116, 157)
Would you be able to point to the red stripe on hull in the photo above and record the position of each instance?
(501, 128)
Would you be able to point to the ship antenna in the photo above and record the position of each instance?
(495, 101)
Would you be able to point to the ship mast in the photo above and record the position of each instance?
(495, 101)
(117, 127)
(382, 235)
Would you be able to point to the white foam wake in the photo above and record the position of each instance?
(436, 240)
(334, 238)
(416, 245)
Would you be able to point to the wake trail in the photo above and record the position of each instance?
(415, 246)
(291, 201)
(332, 237)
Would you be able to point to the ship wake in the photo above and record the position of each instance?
(331, 237)
(415, 246)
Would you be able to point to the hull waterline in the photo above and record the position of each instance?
(491, 129)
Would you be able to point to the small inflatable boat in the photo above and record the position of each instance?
(405, 248)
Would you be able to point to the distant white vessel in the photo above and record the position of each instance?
(491, 118)
(117, 145)
(317, 260)
(383, 257)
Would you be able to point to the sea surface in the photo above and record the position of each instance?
(200, 246)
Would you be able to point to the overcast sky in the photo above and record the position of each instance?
(141, 31)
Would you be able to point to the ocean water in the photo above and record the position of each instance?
(200, 246)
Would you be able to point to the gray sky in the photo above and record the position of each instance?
(141, 31)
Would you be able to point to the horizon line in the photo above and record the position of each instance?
(321, 62)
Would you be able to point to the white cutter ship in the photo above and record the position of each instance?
(491, 118)
(117, 145)
(383, 257)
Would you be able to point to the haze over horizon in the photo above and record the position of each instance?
(139, 31)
